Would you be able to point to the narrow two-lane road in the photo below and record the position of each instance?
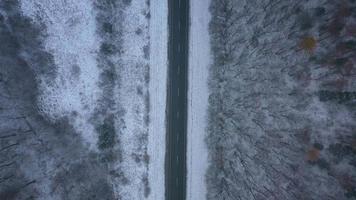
(177, 100)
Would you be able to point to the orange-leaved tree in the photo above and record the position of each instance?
(308, 44)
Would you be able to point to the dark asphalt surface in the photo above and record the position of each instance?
(177, 100)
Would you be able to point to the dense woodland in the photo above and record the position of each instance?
(282, 118)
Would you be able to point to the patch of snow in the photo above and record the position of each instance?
(199, 62)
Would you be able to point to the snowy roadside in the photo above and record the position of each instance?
(158, 75)
(133, 97)
(199, 61)
(145, 59)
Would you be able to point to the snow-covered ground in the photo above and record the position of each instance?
(132, 94)
(138, 58)
(158, 75)
(110, 62)
(199, 61)
(72, 41)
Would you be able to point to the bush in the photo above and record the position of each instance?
(339, 97)
(107, 134)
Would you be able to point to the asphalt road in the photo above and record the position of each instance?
(177, 100)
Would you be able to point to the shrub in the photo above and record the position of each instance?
(107, 134)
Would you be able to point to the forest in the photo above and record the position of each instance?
(282, 100)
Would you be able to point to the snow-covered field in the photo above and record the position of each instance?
(199, 61)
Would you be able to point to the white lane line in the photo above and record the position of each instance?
(179, 3)
(178, 70)
(177, 160)
(178, 91)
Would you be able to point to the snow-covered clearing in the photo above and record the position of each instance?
(199, 61)
(74, 90)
